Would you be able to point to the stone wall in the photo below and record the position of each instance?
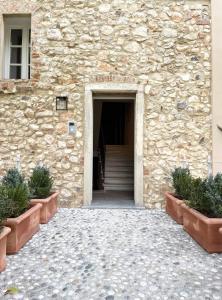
(162, 44)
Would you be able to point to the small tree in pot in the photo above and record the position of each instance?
(21, 217)
(15, 190)
(4, 231)
(202, 213)
(13, 178)
(206, 196)
(40, 185)
(9, 207)
(182, 184)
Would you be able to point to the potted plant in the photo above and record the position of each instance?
(22, 217)
(40, 185)
(202, 213)
(4, 231)
(181, 183)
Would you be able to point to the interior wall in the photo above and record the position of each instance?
(129, 124)
(97, 114)
(2, 31)
(113, 122)
(216, 84)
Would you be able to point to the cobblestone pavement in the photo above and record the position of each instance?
(112, 254)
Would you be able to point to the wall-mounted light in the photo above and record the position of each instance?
(61, 103)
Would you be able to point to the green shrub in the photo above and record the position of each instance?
(14, 200)
(197, 194)
(1, 216)
(40, 183)
(19, 198)
(5, 210)
(1, 220)
(218, 183)
(13, 178)
(206, 196)
(14, 195)
(182, 182)
(213, 202)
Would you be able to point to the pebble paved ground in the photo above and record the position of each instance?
(112, 254)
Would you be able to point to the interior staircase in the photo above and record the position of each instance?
(119, 169)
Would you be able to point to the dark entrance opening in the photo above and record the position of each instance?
(113, 163)
(113, 123)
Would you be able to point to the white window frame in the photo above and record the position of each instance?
(25, 27)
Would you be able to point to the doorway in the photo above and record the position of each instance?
(113, 150)
(122, 94)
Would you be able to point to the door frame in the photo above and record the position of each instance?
(216, 9)
(138, 91)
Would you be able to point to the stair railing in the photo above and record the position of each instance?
(101, 159)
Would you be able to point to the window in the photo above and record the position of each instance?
(17, 58)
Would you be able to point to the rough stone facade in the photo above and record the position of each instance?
(163, 44)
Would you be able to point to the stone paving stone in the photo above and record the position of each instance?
(112, 255)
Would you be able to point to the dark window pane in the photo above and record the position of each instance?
(15, 72)
(29, 36)
(16, 55)
(29, 73)
(16, 36)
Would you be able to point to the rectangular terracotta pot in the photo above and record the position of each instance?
(3, 241)
(22, 228)
(205, 231)
(49, 207)
(173, 207)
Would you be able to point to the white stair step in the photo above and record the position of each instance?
(117, 153)
(119, 181)
(118, 174)
(118, 188)
(119, 161)
(119, 158)
(120, 153)
(114, 150)
(118, 168)
(113, 162)
(118, 147)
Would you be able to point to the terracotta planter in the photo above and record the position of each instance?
(49, 207)
(173, 207)
(206, 231)
(22, 228)
(3, 242)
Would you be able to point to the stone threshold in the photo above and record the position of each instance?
(113, 207)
